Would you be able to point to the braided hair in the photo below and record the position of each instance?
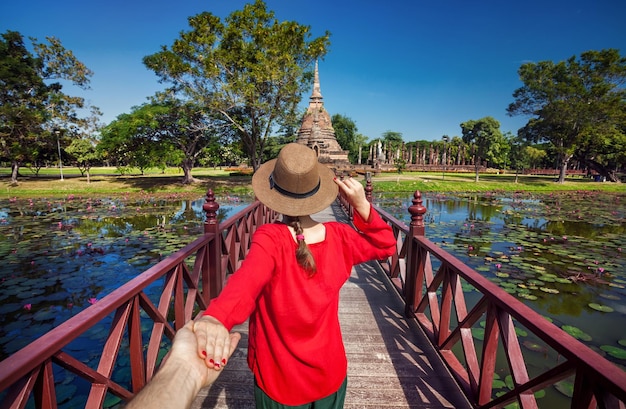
(303, 253)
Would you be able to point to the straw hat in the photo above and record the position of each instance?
(295, 183)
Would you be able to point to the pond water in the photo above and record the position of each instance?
(61, 255)
(562, 254)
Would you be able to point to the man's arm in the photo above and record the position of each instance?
(181, 376)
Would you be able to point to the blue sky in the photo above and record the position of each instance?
(410, 66)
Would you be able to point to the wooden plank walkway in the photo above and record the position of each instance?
(391, 364)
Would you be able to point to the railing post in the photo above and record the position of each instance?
(345, 203)
(414, 264)
(417, 211)
(368, 186)
(211, 276)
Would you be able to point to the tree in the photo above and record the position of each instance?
(130, 140)
(579, 106)
(32, 103)
(536, 156)
(250, 69)
(84, 153)
(151, 131)
(519, 157)
(393, 141)
(346, 133)
(485, 137)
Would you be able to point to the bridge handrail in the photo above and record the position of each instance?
(435, 298)
(192, 276)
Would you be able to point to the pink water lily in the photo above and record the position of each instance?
(28, 306)
(92, 300)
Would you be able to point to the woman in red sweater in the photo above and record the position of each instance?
(288, 285)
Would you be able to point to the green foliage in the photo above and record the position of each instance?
(347, 135)
(579, 106)
(249, 69)
(160, 133)
(84, 153)
(32, 103)
(486, 140)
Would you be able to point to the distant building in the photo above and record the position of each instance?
(317, 132)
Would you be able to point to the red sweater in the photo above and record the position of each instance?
(295, 348)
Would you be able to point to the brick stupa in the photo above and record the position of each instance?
(317, 132)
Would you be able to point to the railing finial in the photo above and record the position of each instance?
(417, 211)
(210, 207)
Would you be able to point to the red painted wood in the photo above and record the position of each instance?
(607, 383)
(45, 396)
(29, 371)
(219, 252)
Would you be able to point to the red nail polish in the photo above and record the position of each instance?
(212, 361)
(224, 361)
(217, 365)
(204, 354)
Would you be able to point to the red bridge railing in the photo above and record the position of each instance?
(191, 277)
(447, 298)
(451, 302)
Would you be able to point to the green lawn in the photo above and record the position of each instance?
(107, 180)
(464, 182)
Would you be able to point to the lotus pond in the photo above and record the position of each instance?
(562, 254)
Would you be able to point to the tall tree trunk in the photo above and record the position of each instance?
(15, 167)
(563, 169)
(187, 165)
(476, 163)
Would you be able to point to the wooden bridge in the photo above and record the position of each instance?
(391, 363)
(409, 325)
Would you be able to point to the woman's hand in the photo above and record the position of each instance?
(214, 341)
(354, 193)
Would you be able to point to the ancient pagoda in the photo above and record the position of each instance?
(317, 132)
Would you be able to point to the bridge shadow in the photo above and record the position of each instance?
(390, 358)
(401, 362)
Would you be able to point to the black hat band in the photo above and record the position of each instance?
(274, 185)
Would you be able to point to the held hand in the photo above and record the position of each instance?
(214, 343)
(354, 193)
(184, 350)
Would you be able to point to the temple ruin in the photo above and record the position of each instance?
(317, 132)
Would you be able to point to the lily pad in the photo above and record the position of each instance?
(615, 352)
(549, 290)
(566, 388)
(576, 332)
(478, 333)
(535, 347)
(600, 307)
(612, 297)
